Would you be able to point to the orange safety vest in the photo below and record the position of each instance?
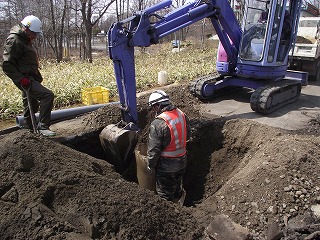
(176, 121)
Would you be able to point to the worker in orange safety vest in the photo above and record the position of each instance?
(167, 154)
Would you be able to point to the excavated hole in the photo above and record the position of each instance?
(205, 162)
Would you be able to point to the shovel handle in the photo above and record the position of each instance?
(32, 115)
(26, 88)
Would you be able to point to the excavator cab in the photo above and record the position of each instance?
(269, 29)
(254, 31)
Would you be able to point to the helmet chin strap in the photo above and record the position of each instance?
(157, 109)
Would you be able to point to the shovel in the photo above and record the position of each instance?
(33, 117)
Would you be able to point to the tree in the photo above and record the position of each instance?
(57, 29)
(138, 5)
(87, 8)
(184, 31)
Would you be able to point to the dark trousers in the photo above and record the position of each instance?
(169, 184)
(42, 98)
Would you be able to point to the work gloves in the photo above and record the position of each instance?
(25, 82)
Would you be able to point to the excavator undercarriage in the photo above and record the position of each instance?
(275, 95)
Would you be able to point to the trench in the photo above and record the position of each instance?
(204, 159)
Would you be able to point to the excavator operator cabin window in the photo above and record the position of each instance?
(275, 31)
(254, 31)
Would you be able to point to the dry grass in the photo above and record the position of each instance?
(66, 79)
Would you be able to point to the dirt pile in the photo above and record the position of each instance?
(49, 191)
(263, 178)
(301, 39)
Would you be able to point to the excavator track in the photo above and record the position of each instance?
(196, 86)
(273, 96)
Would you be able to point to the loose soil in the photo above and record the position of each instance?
(266, 180)
(301, 39)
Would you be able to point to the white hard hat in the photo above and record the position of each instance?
(158, 96)
(33, 23)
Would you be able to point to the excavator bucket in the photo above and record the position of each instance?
(119, 143)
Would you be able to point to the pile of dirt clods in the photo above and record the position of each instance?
(244, 180)
(49, 191)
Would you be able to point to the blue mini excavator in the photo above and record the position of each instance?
(254, 56)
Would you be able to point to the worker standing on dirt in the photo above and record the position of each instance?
(20, 63)
(167, 155)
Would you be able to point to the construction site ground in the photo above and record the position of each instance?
(248, 177)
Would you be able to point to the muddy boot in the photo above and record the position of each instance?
(44, 130)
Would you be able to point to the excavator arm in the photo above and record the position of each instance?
(253, 56)
(142, 30)
(146, 28)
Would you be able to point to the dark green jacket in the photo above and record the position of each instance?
(20, 57)
(159, 139)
